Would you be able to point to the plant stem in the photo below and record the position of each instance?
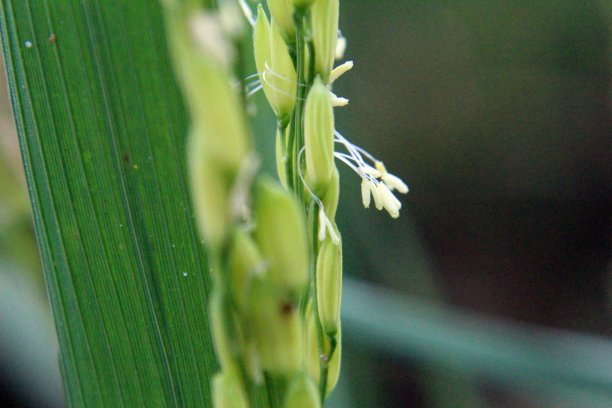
(297, 142)
(293, 144)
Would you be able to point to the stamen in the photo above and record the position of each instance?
(246, 81)
(338, 101)
(346, 161)
(340, 46)
(339, 71)
(354, 153)
(354, 149)
(389, 201)
(254, 91)
(371, 171)
(365, 193)
(348, 157)
(376, 181)
(252, 84)
(256, 74)
(361, 150)
(395, 183)
(377, 197)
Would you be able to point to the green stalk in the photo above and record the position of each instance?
(296, 142)
(293, 142)
(305, 76)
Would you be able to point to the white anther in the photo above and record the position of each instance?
(365, 192)
(340, 46)
(390, 202)
(376, 181)
(339, 71)
(338, 101)
(370, 171)
(377, 197)
(394, 183)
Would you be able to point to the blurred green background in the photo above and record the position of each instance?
(499, 117)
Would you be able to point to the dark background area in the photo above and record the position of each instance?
(498, 116)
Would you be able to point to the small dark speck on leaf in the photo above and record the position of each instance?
(126, 158)
(286, 308)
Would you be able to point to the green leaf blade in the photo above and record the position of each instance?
(102, 130)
